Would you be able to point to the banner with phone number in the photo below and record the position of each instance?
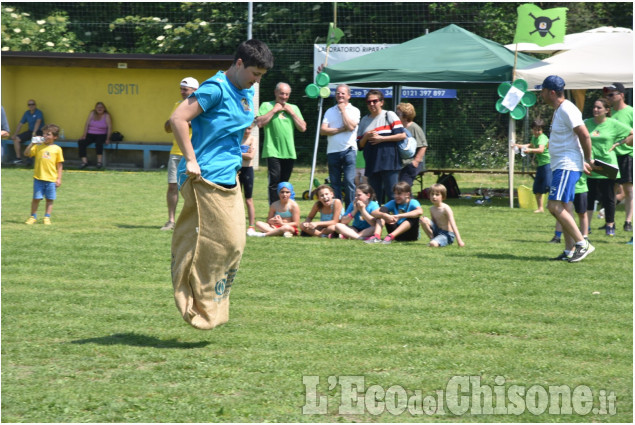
(343, 52)
(407, 93)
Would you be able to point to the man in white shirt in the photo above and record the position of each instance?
(570, 150)
(340, 126)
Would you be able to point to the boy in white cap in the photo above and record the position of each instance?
(188, 86)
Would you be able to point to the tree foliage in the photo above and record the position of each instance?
(291, 29)
(21, 32)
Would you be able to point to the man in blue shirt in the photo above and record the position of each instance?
(35, 120)
(209, 235)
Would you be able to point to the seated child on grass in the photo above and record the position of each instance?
(330, 209)
(47, 172)
(441, 227)
(284, 215)
(358, 213)
(400, 215)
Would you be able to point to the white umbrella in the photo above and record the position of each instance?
(588, 66)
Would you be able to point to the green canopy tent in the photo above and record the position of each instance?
(451, 57)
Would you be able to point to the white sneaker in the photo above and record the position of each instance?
(288, 234)
(251, 231)
(601, 213)
(256, 234)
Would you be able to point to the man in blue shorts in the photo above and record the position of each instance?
(570, 149)
(209, 235)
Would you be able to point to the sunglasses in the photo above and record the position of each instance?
(30, 104)
(613, 94)
(372, 102)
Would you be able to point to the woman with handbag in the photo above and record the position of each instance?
(97, 130)
(378, 134)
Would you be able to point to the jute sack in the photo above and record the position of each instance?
(207, 245)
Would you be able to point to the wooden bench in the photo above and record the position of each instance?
(146, 148)
(440, 171)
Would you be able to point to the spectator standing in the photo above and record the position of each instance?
(97, 130)
(246, 176)
(188, 86)
(415, 165)
(340, 126)
(280, 119)
(35, 120)
(377, 135)
(604, 133)
(570, 151)
(47, 172)
(539, 145)
(624, 114)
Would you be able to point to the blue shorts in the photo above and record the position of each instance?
(442, 237)
(43, 189)
(542, 182)
(563, 185)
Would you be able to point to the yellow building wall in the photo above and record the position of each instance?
(139, 100)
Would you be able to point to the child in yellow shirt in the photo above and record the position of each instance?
(47, 172)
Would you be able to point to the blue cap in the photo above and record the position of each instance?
(552, 82)
(286, 185)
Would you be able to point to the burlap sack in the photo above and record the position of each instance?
(207, 245)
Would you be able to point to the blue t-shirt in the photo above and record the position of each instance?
(358, 221)
(31, 118)
(395, 208)
(218, 131)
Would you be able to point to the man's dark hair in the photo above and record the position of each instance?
(374, 92)
(254, 53)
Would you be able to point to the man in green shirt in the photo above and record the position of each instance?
(624, 114)
(279, 119)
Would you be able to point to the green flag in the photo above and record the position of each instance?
(542, 27)
(334, 36)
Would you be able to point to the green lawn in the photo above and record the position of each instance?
(90, 332)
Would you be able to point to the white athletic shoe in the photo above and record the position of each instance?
(251, 231)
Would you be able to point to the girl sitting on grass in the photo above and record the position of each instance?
(284, 215)
(364, 225)
(330, 209)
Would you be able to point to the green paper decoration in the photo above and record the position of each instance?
(528, 99)
(319, 88)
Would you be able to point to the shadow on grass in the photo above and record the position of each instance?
(137, 340)
(132, 226)
(508, 257)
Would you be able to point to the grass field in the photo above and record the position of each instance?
(90, 332)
